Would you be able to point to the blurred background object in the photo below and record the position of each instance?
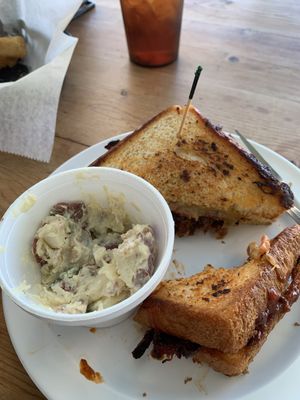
(85, 7)
(153, 30)
(28, 103)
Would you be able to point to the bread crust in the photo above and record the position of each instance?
(287, 197)
(232, 364)
(99, 161)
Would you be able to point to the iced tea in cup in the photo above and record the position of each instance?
(153, 30)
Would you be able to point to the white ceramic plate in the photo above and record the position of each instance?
(51, 354)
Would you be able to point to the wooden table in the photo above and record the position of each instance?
(251, 57)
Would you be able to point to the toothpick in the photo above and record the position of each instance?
(193, 88)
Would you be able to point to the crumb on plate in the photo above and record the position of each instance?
(89, 373)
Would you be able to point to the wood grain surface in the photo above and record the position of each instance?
(250, 52)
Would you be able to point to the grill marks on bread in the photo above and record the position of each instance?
(219, 308)
(204, 174)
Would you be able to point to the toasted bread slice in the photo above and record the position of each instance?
(237, 363)
(232, 364)
(221, 308)
(204, 174)
(166, 346)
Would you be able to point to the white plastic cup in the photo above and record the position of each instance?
(143, 203)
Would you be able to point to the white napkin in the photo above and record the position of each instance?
(28, 107)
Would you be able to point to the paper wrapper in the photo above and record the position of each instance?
(28, 107)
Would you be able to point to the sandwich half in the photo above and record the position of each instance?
(207, 179)
(224, 316)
